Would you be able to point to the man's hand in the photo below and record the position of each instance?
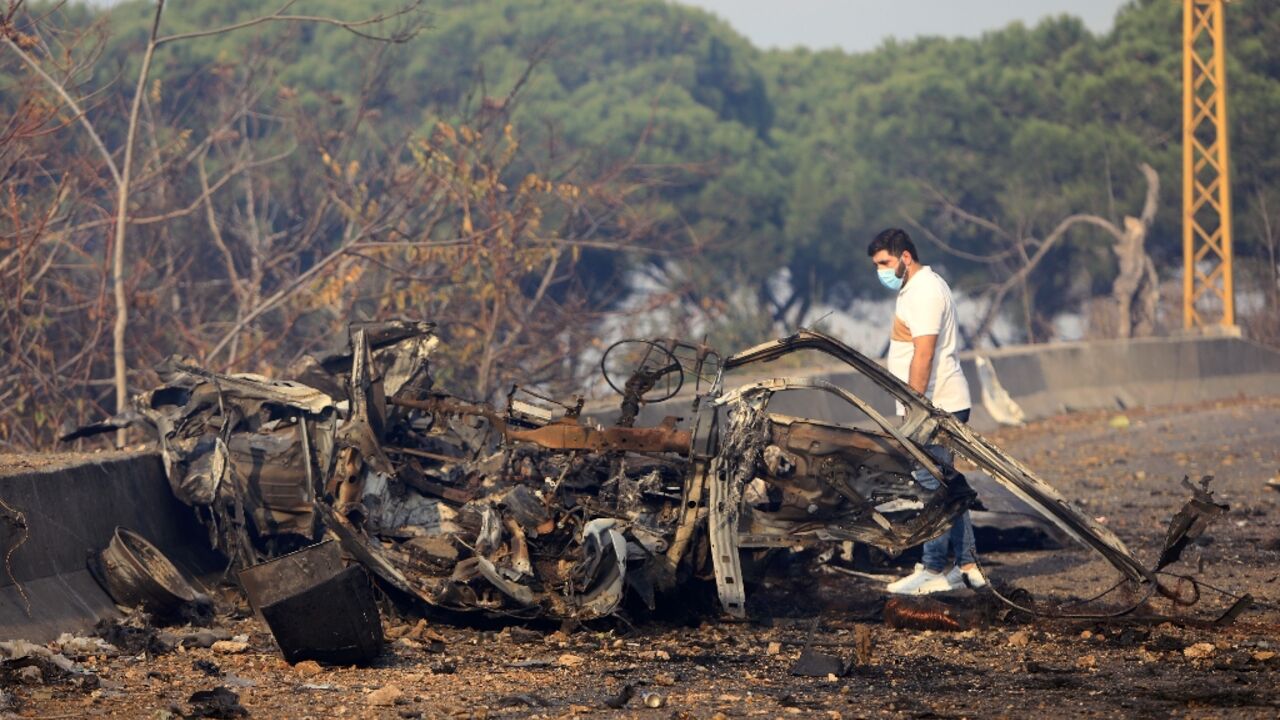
(922, 362)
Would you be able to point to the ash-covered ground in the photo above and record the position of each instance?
(1127, 471)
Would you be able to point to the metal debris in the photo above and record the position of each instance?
(136, 574)
(135, 634)
(1190, 522)
(531, 509)
(21, 660)
(219, 702)
(619, 701)
(316, 609)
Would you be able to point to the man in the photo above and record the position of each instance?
(922, 353)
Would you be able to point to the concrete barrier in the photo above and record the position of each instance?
(70, 508)
(1051, 379)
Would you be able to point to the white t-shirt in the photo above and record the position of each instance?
(925, 307)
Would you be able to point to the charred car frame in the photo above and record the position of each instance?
(534, 509)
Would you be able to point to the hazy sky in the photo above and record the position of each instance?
(862, 24)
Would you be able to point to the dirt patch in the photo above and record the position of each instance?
(17, 464)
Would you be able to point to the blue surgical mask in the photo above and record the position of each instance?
(889, 278)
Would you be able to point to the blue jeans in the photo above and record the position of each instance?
(957, 539)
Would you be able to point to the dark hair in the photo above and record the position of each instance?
(896, 241)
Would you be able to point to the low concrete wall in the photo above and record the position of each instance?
(1062, 377)
(71, 508)
(1049, 379)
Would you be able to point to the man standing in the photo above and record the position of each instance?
(922, 353)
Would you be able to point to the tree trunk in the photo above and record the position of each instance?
(1136, 290)
(119, 329)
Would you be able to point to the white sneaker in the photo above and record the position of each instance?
(974, 578)
(894, 586)
(921, 582)
(955, 576)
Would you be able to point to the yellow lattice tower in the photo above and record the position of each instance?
(1206, 193)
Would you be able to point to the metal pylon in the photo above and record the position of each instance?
(1206, 195)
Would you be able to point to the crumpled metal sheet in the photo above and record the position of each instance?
(925, 424)
(606, 549)
(1190, 522)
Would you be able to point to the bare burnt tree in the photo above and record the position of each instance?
(1135, 291)
(260, 228)
(32, 48)
(55, 176)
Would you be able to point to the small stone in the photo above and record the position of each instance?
(653, 699)
(1263, 655)
(230, 647)
(1199, 650)
(237, 681)
(569, 660)
(408, 644)
(523, 635)
(308, 668)
(208, 667)
(30, 675)
(654, 655)
(774, 648)
(831, 677)
(1019, 639)
(396, 631)
(384, 696)
(664, 679)
(1086, 635)
(1087, 662)
(202, 639)
(727, 697)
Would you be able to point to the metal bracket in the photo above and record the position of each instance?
(723, 529)
(705, 445)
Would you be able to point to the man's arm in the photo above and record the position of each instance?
(922, 362)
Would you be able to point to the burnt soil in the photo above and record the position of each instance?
(1129, 476)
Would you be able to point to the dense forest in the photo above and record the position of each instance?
(536, 176)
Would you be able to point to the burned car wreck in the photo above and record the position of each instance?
(536, 510)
